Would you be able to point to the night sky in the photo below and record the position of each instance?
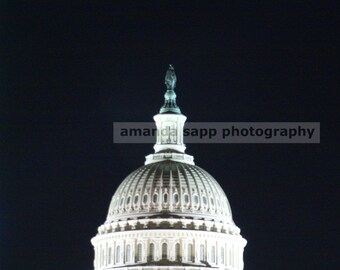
(69, 70)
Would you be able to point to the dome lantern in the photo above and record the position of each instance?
(170, 124)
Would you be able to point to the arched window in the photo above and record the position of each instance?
(177, 252)
(154, 198)
(165, 197)
(128, 200)
(212, 201)
(139, 253)
(222, 255)
(152, 252)
(145, 199)
(164, 251)
(202, 255)
(118, 254)
(176, 199)
(195, 199)
(204, 200)
(190, 253)
(128, 253)
(186, 198)
(136, 199)
(213, 255)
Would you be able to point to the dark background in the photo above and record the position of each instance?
(68, 70)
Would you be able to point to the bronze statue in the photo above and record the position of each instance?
(170, 78)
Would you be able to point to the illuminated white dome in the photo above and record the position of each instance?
(169, 213)
(171, 188)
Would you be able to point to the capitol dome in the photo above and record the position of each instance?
(172, 188)
(169, 213)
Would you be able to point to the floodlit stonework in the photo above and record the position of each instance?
(169, 213)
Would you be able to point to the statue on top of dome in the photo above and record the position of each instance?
(170, 78)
